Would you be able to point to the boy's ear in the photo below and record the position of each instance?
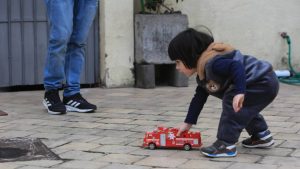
(220, 47)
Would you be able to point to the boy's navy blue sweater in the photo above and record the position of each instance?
(225, 67)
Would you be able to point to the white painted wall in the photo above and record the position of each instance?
(251, 26)
(116, 43)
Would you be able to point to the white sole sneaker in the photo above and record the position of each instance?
(74, 109)
(49, 111)
(232, 154)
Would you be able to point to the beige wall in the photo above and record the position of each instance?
(251, 26)
(116, 43)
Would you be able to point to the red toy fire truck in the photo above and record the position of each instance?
(166, 138)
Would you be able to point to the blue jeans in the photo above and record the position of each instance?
(70, 21)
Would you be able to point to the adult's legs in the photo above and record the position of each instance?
(60, 16)
(84, 14)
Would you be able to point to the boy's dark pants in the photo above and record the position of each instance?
(257, 97)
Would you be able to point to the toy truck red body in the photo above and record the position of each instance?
(163, 137)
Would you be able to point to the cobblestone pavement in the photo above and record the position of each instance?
(111, 137)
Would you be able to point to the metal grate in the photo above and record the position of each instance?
(24, 149)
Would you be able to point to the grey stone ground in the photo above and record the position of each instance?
(111, 137)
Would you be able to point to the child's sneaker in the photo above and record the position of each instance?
(53, 103)
(220, 149)
(261, 140)
(76, 103)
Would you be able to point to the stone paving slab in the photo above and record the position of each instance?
(79, 164)
(274, 160)
(288, 167)
(120, 158)
(161, 162)
(204, 164)
(80, 146)
(115, 149)
(32, 167)
(38, 163)
(122, 166)
(80, 155)
(9, 165)
(111, 138)
(252, 166)
(290, 144)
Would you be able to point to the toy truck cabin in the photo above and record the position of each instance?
(163, 137)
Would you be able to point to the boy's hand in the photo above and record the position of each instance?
(237, 102)
(184, 127)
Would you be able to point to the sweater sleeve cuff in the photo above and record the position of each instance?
(239, 91)
(190, 121)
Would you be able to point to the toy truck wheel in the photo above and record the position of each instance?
(152, 146)
(187, 147)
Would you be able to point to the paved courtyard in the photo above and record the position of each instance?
(111, 137)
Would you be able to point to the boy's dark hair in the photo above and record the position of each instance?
(188, 45)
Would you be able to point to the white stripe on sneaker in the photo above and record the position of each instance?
(49, 111)
(77, 105)
(230, 147)
(47, 102)
(266, 137)
(74, 103)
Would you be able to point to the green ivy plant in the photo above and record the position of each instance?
(155, 6)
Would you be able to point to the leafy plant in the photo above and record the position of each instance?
(155, 6)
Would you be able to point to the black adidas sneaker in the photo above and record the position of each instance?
(76, 103)
(53, 103)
